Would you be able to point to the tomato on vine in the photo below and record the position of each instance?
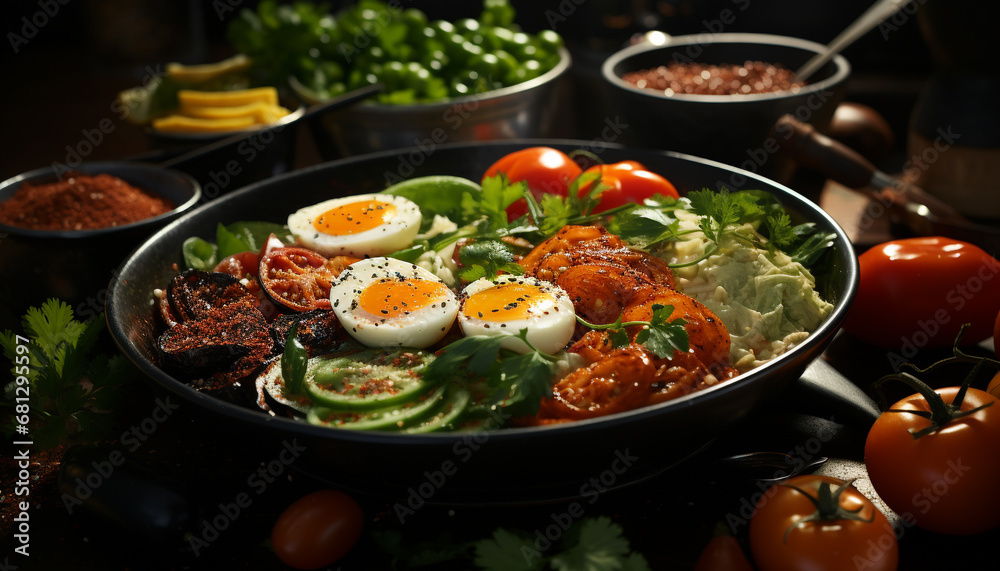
(820, 523)
(932, 456)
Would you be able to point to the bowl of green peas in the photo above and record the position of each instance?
(470, 79)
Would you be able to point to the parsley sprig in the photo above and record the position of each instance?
(71, 388)
(591, 543)
(516, 382)
(661, 335)
(753, 218)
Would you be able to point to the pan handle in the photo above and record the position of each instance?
(814, 150)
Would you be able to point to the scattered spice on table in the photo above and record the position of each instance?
(702, 79)
(80, 202)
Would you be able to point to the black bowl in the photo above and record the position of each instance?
(76, 265)
(484, 466)
(733, 129)
(264, 153)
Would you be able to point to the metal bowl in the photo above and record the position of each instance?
(534, 108)
(76, 265)
(733, 129)
(512, 464)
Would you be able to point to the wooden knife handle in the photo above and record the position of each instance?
(814, 150)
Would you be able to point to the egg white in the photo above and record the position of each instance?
(418, 328)
(389, 236)
(550, 323)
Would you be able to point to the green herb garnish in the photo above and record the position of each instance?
(660, 335)
(486, 259)
(590, 544)
(72, 389)
(518, 382)
(752, 218)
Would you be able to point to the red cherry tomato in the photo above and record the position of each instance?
(297, 278)
(317, 530)
(544, 169)
(946, 480)
(781, 540)
(723, 553)
(628, 181)
(917, 292)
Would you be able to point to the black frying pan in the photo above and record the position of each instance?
(503, 465)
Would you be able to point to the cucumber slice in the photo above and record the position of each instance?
(367, 380)
(272, 382)
(454, 405)
(387, 418)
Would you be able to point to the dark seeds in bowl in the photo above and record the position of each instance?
(702, 79)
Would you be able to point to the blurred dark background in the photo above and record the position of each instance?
(66, 60)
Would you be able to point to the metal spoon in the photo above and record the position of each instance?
(872, 17)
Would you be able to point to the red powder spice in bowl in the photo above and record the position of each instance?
(751, 77)
(80, 202)
(64, 232)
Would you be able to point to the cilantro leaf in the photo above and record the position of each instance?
(507, 551)
(519, 381)
(556, 211)
(645, 226)
(780, 231)
(525, 380)
(718, 211)
(662, 336)
(601, 547)
(479, 351)
(486, 259)
(51, 327)
(619, 338)
(71, 388)
(491, 204)
(636, 562)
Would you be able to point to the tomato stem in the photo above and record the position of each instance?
(593, 157)
(958, 356)
(941, 413)
(827, 504)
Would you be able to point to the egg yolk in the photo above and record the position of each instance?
(390, 298)
(355, 217)
(506, 302)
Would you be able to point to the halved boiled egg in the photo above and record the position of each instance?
(385, 302)
(362, 226)
(509, 303)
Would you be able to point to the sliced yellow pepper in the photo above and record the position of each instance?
(260, 112)
(183, 124)
(191, 98)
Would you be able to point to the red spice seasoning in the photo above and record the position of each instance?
(80, 202)
(701, 79)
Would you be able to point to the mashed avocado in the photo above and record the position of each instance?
(768, 303)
